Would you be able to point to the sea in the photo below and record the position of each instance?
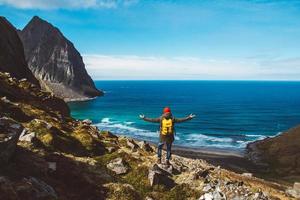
(229, 114)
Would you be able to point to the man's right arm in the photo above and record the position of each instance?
(154, 120)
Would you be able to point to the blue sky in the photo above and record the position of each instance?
(151, 39)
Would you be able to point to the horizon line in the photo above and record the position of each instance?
(250, 80)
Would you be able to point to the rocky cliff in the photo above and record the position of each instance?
(58, 157)
(55, 62)
(280, 154)
(12, 57)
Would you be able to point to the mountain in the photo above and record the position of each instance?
(55, 62)
(280, 154)
(12, 59)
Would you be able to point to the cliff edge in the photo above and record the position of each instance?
(55, 62)
(280, 154)
(12, 59)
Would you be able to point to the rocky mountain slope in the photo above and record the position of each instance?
(12, 57)
(58, 157)
(55, 62)
(279, 155)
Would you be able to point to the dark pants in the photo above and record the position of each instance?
(160, 147)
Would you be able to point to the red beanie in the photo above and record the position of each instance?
(166, 110)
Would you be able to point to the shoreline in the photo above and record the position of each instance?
(67, 100)
(226, 158)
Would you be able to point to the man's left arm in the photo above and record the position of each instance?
(179, 120)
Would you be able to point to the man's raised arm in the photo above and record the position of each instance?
(179, 120)
(154, 120)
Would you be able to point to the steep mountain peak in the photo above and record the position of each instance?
(54, 60)
(12, 59)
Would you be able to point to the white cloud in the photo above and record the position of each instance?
(185, 68)
(136, 67)
(66, 4)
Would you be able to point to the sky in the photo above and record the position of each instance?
(175, 39)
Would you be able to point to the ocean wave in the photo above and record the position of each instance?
(123, 128)
(127, 128)
(128, 123)
(209, 138)
(106, 120)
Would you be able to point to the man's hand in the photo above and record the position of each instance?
(142, 116)
(191, 116)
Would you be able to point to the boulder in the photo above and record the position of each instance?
(207, 196)
(111, 149)
(295, 191)
(40, 189)
(87, 121)
(247, 175)
(27, 137)
(131, 143)
(158, 176)
(26, 188)
(118, 166)
(212, 193)
(169, 168)
(202, 173)
(145, 146)
(10, 131)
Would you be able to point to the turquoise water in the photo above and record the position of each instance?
(229, 113)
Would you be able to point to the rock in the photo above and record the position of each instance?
(207, 188)
(207, 196)
(54, 60)
(247, 175)
(41, 190)
(111, 149)
(52, 166)
(295, 191)
(118, 166)
(131, 143)
(108, 134)
(145, 146)
(87, 121)
(27, 188)
(27, 137)
(297, 186)
(203, 173)
(9, 136)
(218, 195)
(158, 176)
(148, 198)
(179, 166)
(12, 57)
(169, 168)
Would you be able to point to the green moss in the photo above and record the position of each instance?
(182, 192)
(138, 178)
(46, 139)
(103, 160)
(85, 139)
(119, 191)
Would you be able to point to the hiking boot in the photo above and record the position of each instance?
(158, 161)
(168, 162)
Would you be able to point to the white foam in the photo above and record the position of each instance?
(105, 120)
(195, 140)
(120, 128)
(128, 123)
(209, 138)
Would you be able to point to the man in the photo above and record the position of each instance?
(166, 136)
